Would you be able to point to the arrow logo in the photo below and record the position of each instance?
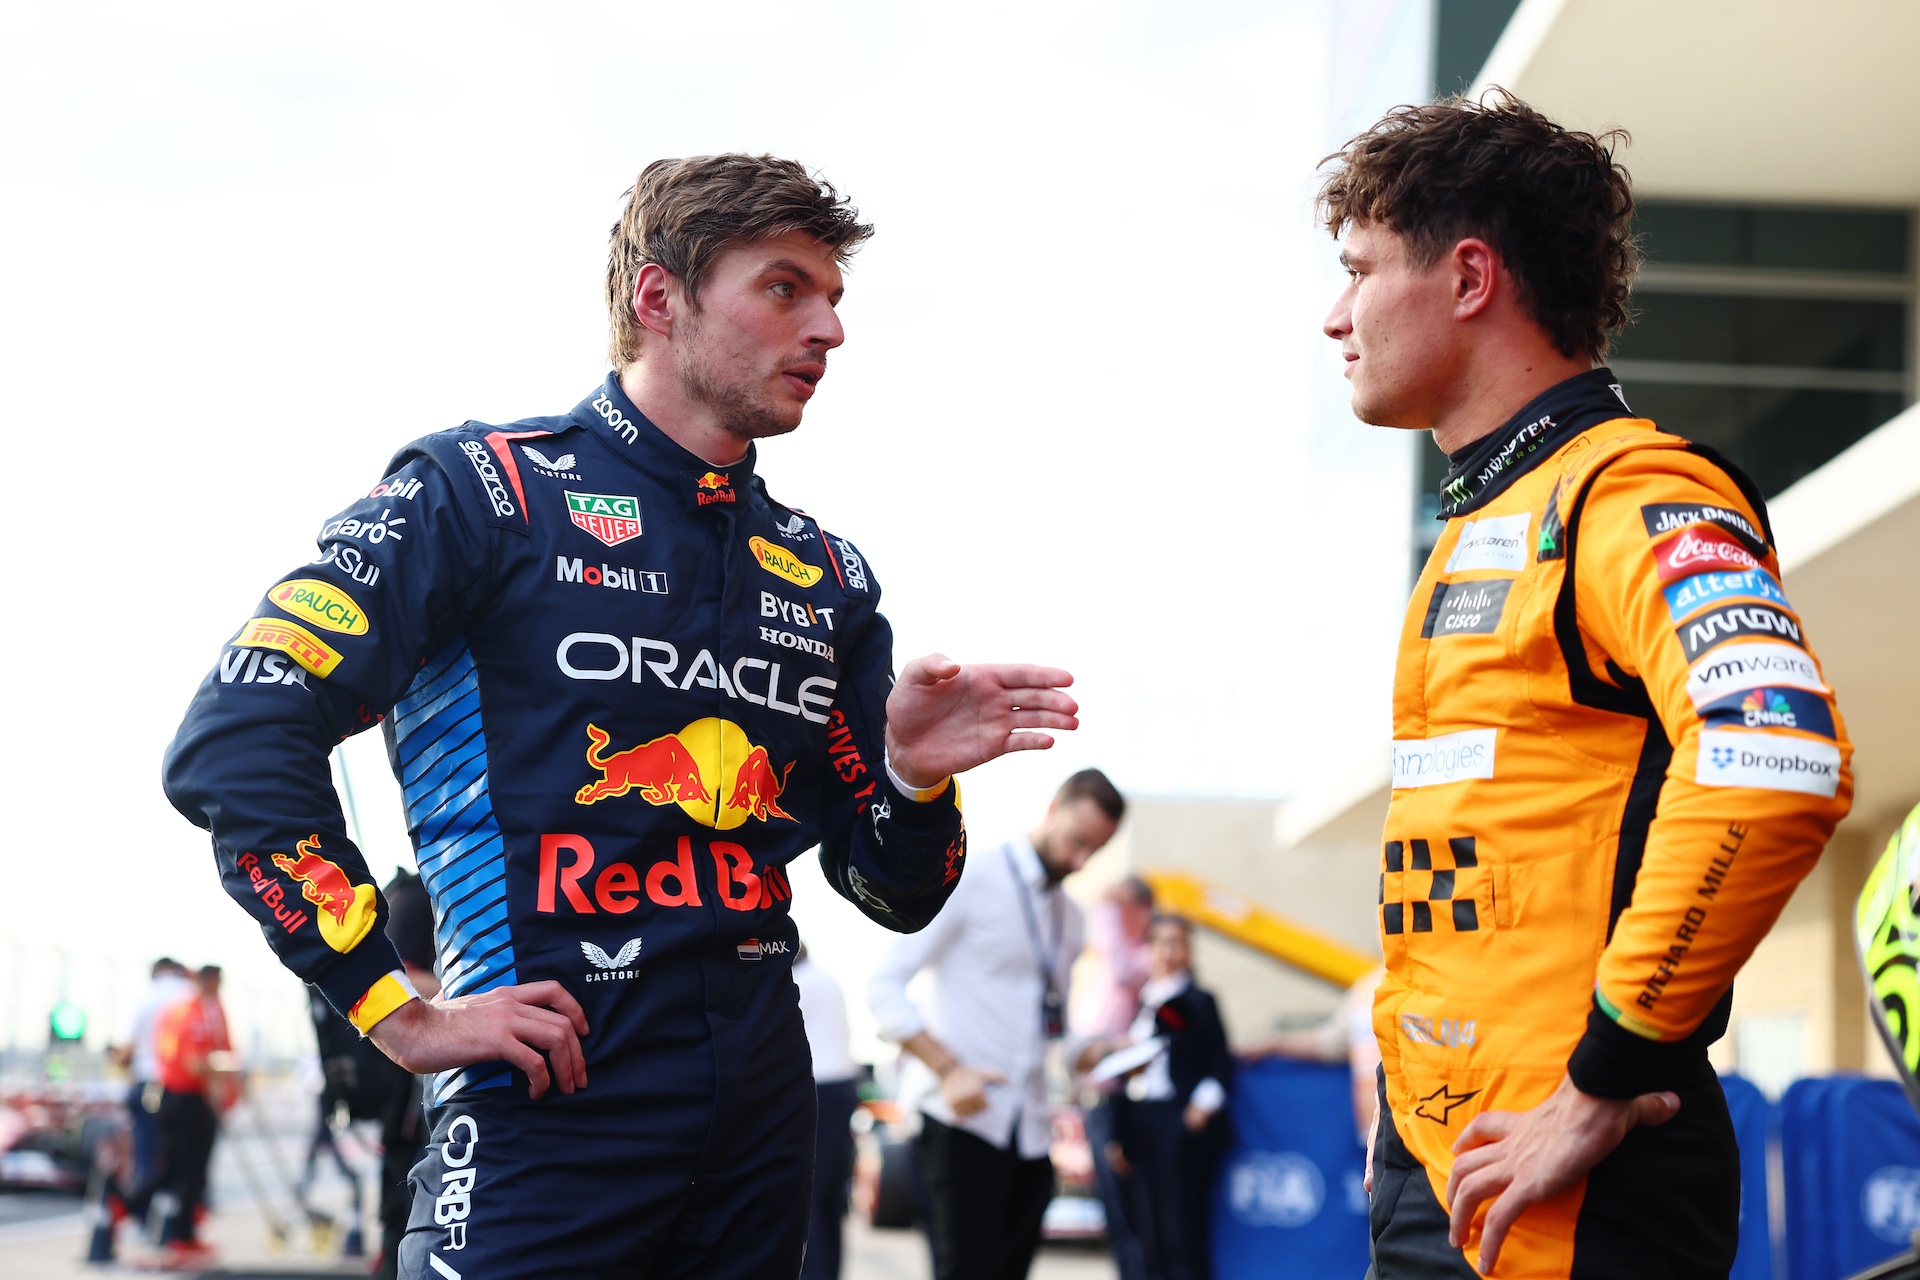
(1438, 1106)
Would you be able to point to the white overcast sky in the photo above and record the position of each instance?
(1084, 414)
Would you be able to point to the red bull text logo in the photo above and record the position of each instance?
(674, 769)
(346, 911)
(711, 488)
(669, 882)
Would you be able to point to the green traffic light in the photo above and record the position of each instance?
(69, 1021)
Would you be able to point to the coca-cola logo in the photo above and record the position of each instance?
(1692, 548)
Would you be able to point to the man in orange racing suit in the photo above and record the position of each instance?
(1614, 751)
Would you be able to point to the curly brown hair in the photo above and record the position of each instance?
(683, 213)
(1553, 202)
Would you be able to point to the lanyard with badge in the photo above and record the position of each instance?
(1053, 1006)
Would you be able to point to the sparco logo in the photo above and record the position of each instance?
(617, 420)
(454, 1205)
(489, 476)
(856, 568)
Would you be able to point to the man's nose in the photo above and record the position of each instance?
(825, 330)
(1339, 321)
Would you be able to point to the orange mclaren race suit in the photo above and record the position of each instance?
(1614, 758)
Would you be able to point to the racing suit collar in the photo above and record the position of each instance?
(609, 414)
(1480, 472)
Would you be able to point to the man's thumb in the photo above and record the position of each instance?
(1655, 1108)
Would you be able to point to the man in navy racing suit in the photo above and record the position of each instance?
(622, 688)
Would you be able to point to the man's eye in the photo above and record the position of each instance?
(784, 288)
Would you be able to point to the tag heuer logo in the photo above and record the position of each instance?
(610, 517)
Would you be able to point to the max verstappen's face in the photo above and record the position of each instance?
(1395, 324)
(755, 346)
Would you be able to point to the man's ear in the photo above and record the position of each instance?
(1477, 271)
(655, 301)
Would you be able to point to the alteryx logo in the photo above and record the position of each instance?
(1690, 595)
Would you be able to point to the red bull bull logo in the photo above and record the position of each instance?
(675, 768)
(714, 486)
(345, 911)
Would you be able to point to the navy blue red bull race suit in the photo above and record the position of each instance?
(621, 689)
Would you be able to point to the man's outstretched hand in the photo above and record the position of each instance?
(511, 1024)
(1518, 1158)
(943, 718)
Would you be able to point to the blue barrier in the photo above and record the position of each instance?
(1752, 1126)
(1850, 1152)
(1292, 1198)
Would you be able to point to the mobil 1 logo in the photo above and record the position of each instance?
(1466, 608)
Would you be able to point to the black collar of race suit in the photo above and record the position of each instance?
(614, 418)
(1479, 473)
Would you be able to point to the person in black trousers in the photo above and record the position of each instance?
(1171, 1117)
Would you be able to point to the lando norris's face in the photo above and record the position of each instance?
(1394, 324)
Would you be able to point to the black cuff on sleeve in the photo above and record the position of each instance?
(1612, 1062)
(347, 979)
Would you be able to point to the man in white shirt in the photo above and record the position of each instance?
(140, 1056)
(836, 1083)
(1000, 952)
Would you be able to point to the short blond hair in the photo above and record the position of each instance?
(683, 213)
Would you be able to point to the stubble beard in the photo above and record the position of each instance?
(741, 411)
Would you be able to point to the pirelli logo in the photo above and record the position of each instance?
(291, 639)
(1409, 867)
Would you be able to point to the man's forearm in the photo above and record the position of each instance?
(937, 1056)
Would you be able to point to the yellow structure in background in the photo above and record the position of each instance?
(1244, 921)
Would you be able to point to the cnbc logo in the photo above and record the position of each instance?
(611, 517)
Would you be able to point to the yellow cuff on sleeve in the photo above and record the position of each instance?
(381, 999)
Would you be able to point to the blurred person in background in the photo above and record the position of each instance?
(197, 1082)
(365, 1084)
(1000, 955)
(403, 1116)
(1170, 1123)
(836, 1083)
(139, 1054)
(1106, 996)
(1344, 1035)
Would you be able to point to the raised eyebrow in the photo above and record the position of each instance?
(1345, 261)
